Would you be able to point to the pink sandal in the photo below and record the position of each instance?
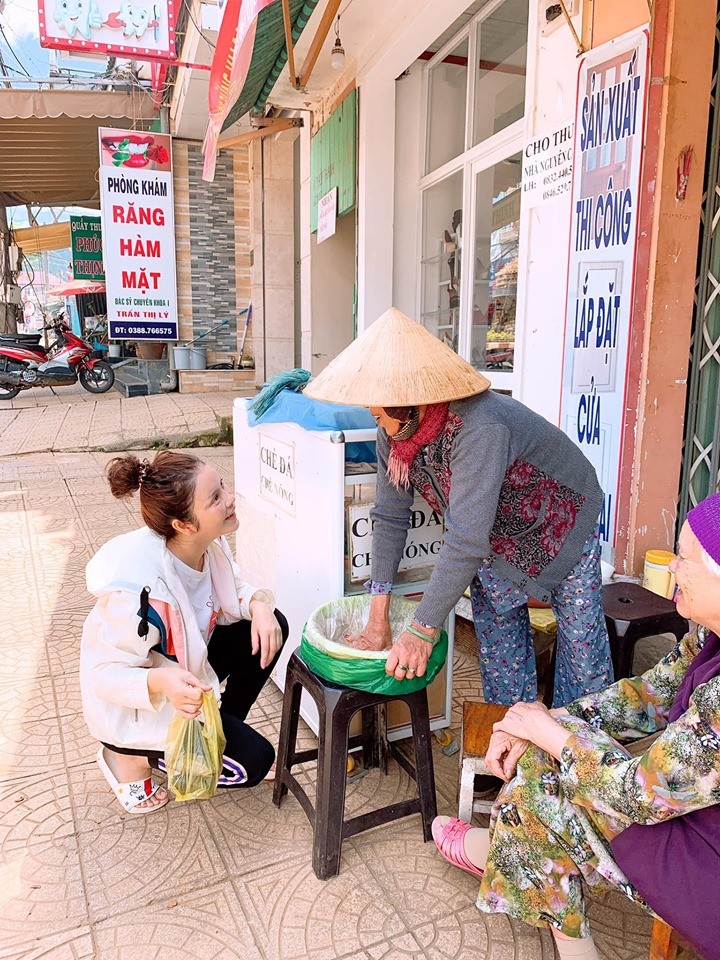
(449, 839)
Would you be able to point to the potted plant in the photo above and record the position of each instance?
(150, 349)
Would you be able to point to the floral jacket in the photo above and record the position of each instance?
(511, 487)
(680, 770)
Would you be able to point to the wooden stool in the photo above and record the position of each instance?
(665, 943)
(478, 720)
(336, 707)
(631, 613)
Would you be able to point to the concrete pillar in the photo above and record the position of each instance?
(8, 311)
(682, 40)
(273, 269)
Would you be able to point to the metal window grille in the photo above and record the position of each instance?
(701, 453)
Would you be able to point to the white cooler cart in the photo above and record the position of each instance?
(305, 533)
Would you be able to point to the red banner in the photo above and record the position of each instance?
(231, 62)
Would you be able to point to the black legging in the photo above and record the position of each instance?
(248, 755)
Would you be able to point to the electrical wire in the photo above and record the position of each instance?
(35, 64)
(10, 48)
(188, 5)
(341, 12)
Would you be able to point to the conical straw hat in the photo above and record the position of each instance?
(396, 362)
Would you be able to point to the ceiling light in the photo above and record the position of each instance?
(337, 57)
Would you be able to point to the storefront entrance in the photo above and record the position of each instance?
(458, 183)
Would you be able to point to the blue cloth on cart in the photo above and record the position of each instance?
(291, 407)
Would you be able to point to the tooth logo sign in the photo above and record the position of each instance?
(82, 16)
(77, 16)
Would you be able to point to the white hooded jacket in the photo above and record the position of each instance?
(114, 658)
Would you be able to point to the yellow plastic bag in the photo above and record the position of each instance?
(194, 752)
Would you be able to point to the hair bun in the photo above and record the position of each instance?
(125, 474)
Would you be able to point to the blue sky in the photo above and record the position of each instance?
(19, 20)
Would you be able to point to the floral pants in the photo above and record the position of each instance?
(502, 625)
(544, 847)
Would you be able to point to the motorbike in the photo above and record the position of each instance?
(25, 363)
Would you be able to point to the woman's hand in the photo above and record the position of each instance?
(503, 754)
(182, 689)
(376, 635)
(533, 722)
(265, 632)
(409, 656)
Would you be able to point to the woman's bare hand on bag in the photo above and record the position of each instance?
(376, 635)
(182, 689)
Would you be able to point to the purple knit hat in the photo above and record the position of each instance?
(704, 520)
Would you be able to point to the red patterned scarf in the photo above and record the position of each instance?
(403, 452)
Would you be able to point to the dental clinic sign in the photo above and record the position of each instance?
(607, 163)
(138, 235)
(137, 29)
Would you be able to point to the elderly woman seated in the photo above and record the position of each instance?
(578, 807)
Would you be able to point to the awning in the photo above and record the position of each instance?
(40, 237)
(49, 142)
(269, 55)
(74, 288)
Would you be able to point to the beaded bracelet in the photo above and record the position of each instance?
(423, 636)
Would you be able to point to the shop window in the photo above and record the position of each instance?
(474, 103)
(441, 255)
(495, 265)
(501, 65)
(447, 106)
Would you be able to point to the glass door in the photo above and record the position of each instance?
(491, 264)
(441, 254)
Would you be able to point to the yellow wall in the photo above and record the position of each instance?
(612, 18)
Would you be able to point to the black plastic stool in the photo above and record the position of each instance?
(336, 707)
(631, 613)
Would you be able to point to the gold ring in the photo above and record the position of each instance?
(401, 666)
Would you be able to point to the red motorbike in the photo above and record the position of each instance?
(25, 363)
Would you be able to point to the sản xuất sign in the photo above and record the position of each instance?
(140, 29)
(86, 247)
(607, 167)
(138, 232)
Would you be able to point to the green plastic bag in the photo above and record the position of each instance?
(194, 752)
(323, 650)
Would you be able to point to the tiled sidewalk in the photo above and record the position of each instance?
(224, 879)
(69, 418)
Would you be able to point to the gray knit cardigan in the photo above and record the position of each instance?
(512, 488)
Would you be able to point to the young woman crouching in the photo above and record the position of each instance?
(174, 618)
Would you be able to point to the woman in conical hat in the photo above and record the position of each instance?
(520, 504)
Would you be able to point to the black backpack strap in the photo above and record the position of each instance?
(143, 626)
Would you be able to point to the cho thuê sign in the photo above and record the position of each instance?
(141, 29)
(607, 167)
(138, 231)
(86, 246)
